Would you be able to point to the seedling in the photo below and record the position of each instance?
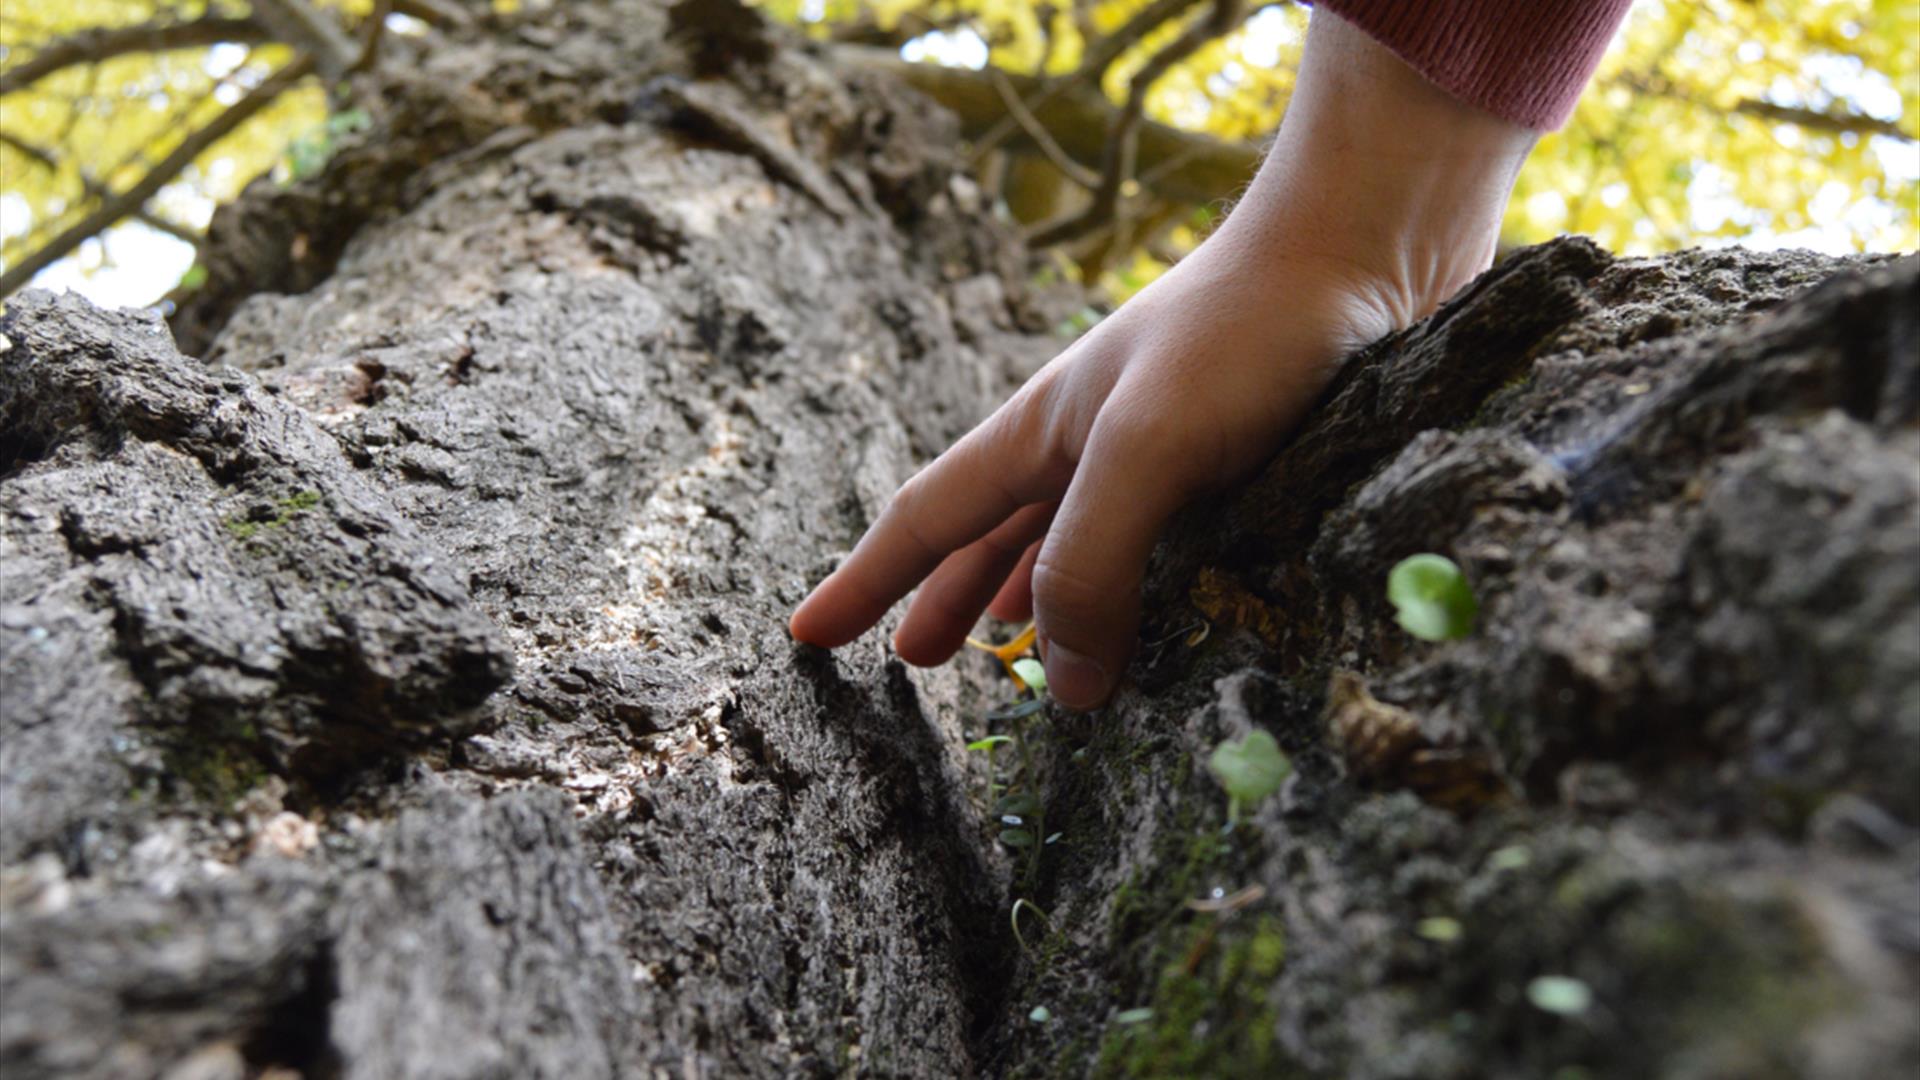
(1250, 770)
(1015, 919)
(1010, 651)
(1031, 673)
(1020, 815)
(1432, 598)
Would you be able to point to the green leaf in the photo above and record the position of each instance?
(1020, 803)
(1250, 769)
(1031, 672)
(1432, 598)
(1439, 928)
(989, 742)
(1016, 838)
(1040, 1014)
(1017, 711)
(1562, 995)
(1509, 858)
(1133, 1016)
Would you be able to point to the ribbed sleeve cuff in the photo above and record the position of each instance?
(1522, 60)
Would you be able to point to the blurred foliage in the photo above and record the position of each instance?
(102, 125)
(1666, 149)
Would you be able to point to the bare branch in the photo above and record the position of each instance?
(115, 207)
(93, 46)
(1036, 131)
(94, 189)
(433, 12)
(1100, 56)
(373, 32)
(1182, 166)
(334, 53)
(1657, 85)
(1117, 164)
(40, 155)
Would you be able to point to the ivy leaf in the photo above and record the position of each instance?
(1031, 672)
(1250, 769)
(1432, 598)
(1016, 838)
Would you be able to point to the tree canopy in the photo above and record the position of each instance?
(1115, 130)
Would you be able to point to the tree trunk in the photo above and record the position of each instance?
(404, 690)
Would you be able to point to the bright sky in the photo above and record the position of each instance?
(132, 264)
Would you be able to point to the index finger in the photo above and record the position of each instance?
(959, 498)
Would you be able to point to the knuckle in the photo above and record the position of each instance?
(1066, 598)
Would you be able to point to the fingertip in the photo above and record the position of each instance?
(812, 623)
(920, 652)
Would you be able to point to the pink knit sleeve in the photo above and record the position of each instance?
(1522, 60)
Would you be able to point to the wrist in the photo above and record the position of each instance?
(1378, 171)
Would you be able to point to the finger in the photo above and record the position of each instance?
(1086, 580)
(966, 492)
(951, 599)
(1014, 601)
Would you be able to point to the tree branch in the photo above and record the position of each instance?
(46, 160)
(115, 207)
(334, 53)
(1036, 131)
(1100, 56)
(433, 12)
(1179, 165)
(93, 46)
(1657, 85)
(1120, 156)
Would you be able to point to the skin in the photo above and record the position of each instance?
(1381, 197)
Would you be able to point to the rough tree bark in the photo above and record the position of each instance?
(401, 688)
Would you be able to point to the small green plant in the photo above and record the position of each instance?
(1432, 598)
(1250, 769)
(1562, 995)
(1031, 672)
(1014, 918)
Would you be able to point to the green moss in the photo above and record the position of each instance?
(1189, 849)
(1211, 1009)
(247, 527)
(215, 770)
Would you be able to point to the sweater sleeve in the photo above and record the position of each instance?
(1522, 60)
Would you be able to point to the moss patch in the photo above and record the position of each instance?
(246, 527)
(1210, 1008)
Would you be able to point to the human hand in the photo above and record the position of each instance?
(1381, 197)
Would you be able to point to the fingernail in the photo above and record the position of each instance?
(1074, 680)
